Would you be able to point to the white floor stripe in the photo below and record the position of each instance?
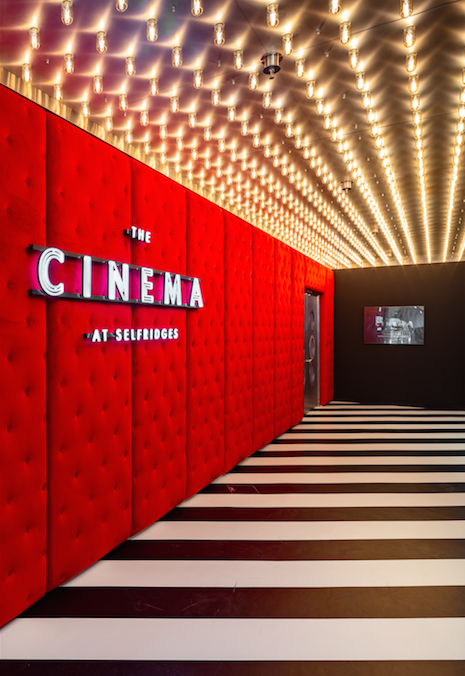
(355, 460)
(381, 446)
(276, 531)
(341, 478)
(251, 500)
(235, 639)
(361, 407)
(389, 436)
(355, 411)
(263, 574)
(396, 427)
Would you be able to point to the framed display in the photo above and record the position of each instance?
(394, 325)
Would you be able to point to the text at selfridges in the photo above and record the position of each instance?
(125, 283)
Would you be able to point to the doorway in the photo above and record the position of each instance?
(311, 386)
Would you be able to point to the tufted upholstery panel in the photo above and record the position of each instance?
(315, 276)
(297, 336)
(238, 340)
(23, 468)
(263, 336)
(205, 345)
(89, 385)
(158, 369)
(327, 340)
(282, 338)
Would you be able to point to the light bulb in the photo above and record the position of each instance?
(194, 154)
(121, 5)
(256, 140)
(152, 30)
(108, 124)
(366, 100)
(34, 38)
(244, 165)
(174, 104)
(144, 118)
(267, 99)
(266, 152)
(218, 172)
(371, 115)
(278, 115)
(218, 34)
(163, 132)
(123, 102)
(207, 133)
(272, 15)
(27, 77)
(344, 32)
(360, 80)
(298, 141)
(462, 95)
(417, 118)
(353, 58)
(310, 89)
(415, 102)
(461, 112)
(411, 62)
(253, 81)
(306, 152)
(128, 137)
(238, 63)
(58, 90)
(216, 97)
(190, 175)
(163, 158)
(327, 122)
(320, 106)
(154, 87)
(406, 8)
(67, 12)
(288, 42)
(98, 84)
(147, 148)
(233, 157)
(231, 113)
(284, 170)
(334, 134)
(207, 163)
(244, 127)
(289, 131)
(176, 57)
(196, 7)
(221, 145)
(130, 66)
(192, 120)
(198, 79)
(409, 36)
(300, 67)
(334, 6)
(85, 108)
(69, 63)
(179, 143)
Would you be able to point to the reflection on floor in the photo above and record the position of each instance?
(337, 550)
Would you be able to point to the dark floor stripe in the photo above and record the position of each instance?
(394, 414)
(331, 469)
(315, 514)
(406, 423)
(270, 489)
(356, 454)
(313, 550)
(341, 602)
(121, 668)
(458, 443)
(379, 430)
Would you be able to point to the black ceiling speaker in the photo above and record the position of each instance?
(271, 64)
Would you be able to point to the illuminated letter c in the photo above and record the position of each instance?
(45, 258)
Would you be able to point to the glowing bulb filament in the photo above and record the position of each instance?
(152, 30)
(34, 38)
(67, 12)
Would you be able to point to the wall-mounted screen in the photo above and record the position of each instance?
(394, 325)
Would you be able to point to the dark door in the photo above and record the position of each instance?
(311, 351)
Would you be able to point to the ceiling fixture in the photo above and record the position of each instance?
(238, 62)
(176, 57)
(101, 42)
(271, 64)
(196, 7)
(67, 12)
(34, 38)
(300, 67)
(272, 15)
(152, 30)
(98, 84)
(130, 66)
(68, 64)
(253, 81)
(121, 5)
(123, 102)
(154, 87)
(26, 70)
(198, 79)
(406, 8)
(334, 6)
(219, 35)
(344, 32)
(288, 43)
(409, 36)
(58, 91)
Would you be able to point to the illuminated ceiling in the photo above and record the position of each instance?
(351, 175)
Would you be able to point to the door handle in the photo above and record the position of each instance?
(308, 361)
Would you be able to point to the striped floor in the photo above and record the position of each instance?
(336, 550)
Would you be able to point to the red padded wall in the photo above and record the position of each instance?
(315, 275)
(238, 341)
(282, 338)
(205, 345)
(89, 385)
(327, 340)
(263, 337)
(159, 369)
(23, 464)
(297, 336)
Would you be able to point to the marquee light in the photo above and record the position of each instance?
(152, 30)
(219, 34)
(272, 15)
(67, 12)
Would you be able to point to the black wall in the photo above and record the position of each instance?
(430, 375)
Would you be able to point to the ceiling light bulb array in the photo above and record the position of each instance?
(458, 151)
